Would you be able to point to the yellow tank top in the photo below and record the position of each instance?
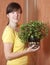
(10, 35)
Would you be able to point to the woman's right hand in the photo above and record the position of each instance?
(32, 49)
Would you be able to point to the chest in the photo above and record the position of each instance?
(18, 44)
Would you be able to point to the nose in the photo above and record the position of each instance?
(16, 14)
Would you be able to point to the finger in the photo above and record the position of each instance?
(35, 49)
(32, 46)
(38, 47)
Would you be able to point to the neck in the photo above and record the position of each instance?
(12, 25)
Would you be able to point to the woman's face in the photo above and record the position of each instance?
(14, 16)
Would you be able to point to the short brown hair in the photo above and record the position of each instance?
(13, 6)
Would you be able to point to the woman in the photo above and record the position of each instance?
(14, 50)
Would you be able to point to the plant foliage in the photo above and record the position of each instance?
(34, 29)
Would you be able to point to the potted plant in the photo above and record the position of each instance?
(33, 32)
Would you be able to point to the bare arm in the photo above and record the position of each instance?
(11, 55)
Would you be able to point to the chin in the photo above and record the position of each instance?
(16, 21)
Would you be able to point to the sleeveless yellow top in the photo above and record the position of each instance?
(11, 36)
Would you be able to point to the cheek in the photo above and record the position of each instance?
(19, 16)
(11, 17)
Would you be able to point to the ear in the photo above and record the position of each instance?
(8, 15)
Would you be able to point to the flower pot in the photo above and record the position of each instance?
(34, 41)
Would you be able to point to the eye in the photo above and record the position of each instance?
(13, 12)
